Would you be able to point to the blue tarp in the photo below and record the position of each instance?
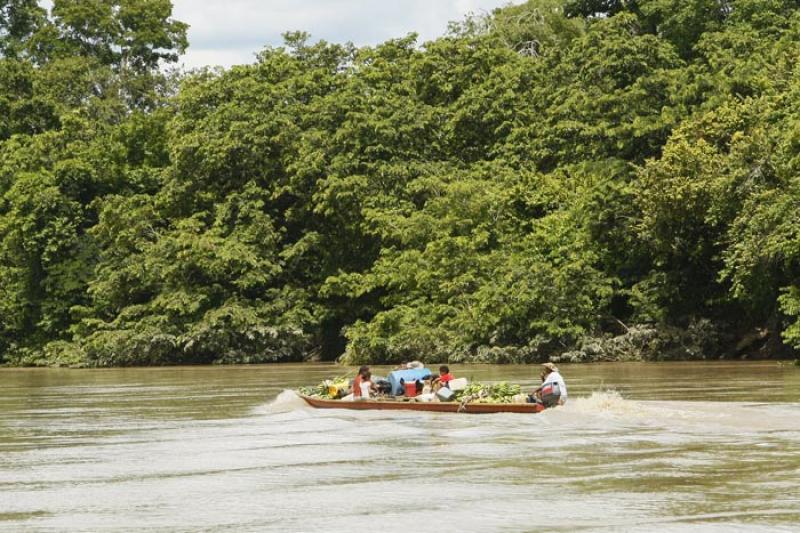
(406, 375)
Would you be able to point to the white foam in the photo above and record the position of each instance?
(286, 401)
(609, 401)
(610, 404)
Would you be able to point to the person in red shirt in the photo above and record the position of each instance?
(445, 376)
(357, 382)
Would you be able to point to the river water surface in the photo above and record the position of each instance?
(638, 447)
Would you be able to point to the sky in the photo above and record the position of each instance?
(230, 32)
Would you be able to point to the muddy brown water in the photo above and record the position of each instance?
(638, 447)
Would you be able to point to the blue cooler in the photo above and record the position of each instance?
(406, 375)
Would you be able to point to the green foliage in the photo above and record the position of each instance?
(535, 28)
(19, 20)
(129, 34)
(535, 178)
(594, 8)
(328, 389)
(483, 393)
(448, 278)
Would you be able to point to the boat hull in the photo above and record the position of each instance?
(435, 407)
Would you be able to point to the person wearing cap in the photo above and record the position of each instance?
(550, 376)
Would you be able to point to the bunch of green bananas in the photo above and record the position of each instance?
(329, 389)
(496, 393)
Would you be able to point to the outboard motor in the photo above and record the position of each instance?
(551, 394)
(384, 387)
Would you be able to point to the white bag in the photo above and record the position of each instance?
(458, 384)
(365, 389)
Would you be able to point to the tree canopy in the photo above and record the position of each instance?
(550, 173)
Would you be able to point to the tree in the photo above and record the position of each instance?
(19, 21)
(127, 34)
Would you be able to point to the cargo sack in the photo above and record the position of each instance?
(458, 384)
(444, 394)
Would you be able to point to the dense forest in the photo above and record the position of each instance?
(569, 179)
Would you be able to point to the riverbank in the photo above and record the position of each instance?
(701, 341)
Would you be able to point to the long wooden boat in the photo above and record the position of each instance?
(437, 407)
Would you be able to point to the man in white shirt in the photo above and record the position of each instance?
(553, 390)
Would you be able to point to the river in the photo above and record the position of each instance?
(639, 447)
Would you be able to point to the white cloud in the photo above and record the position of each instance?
(231, 32)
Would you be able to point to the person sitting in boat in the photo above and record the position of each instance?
(365, 386)
(411, 365)
(357, 381)
(553, 390)
(444, 378)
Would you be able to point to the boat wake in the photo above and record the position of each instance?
(609, 401)
(285, 402)
(709, 417)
